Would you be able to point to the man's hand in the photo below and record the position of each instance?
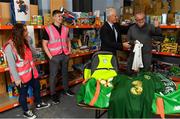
(156, 22)
(126, 45)
(18, 82)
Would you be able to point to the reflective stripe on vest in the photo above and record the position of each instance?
(25, 71)
(25, 66)
(57, 43)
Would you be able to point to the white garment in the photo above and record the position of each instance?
(137, 62)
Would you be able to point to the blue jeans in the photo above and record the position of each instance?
(23, 91)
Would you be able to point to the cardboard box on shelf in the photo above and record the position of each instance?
(5, 12)
(70, 63)
(169, 47)
(171, 19)
(47, 19)
(176, 5)
(43, 84)
(178, 49)
(128, 10)
(2, 84)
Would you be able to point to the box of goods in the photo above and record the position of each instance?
(169, 47)
(177, 5)
(0, 20)
(177, 18)
(178, 49)
(47, 19)
(39, 20)
(171, 19)
(2, 84)
(152, 18)
(128, 10)
(34, 20)
(43, 84)
(40, 55)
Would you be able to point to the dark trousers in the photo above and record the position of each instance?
(23, 91)
(146, 58)
(54, 63)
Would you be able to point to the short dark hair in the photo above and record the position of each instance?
(139, 10)
(56, 12)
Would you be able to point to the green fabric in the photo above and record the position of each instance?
(175, 70)
(169, 85)
(87, 91)
(132, 97)
(87, 74)
(171, 102)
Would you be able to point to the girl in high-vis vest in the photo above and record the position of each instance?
(22, 68)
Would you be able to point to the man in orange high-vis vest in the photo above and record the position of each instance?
(57, 47)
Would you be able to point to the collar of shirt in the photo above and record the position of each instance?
(57, 27)
(111, 25)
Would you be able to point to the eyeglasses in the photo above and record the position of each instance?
(139, 20)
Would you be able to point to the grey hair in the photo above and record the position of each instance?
(109, 11)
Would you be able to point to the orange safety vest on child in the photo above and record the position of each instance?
(25, 67)
(57, 42)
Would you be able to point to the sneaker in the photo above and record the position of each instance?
(55, 99)
(69, 93)
(42, 105)
(29, 114)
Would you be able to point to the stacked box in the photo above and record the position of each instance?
(169, 47)
(178, 51)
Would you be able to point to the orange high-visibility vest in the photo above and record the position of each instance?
(25, 67)
(57, 42)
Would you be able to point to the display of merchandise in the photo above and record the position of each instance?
(40, 54)
(175, 71)
(1, 57)
(10, 91)
(169, 47)
(177, 18)
(69, 17)
(36, 20)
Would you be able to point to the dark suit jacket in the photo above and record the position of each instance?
(108, 41)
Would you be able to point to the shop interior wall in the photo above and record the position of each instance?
(102, 4)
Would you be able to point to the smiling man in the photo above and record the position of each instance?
(144, 33)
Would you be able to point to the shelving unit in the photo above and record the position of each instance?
(166, 54)
(169, 26)
(9, 27)
(7, 103)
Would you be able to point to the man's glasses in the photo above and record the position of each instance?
(139, 20)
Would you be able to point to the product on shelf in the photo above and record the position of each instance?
(169, 47)
(10, 91)
(47, 19)
(36, 20)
